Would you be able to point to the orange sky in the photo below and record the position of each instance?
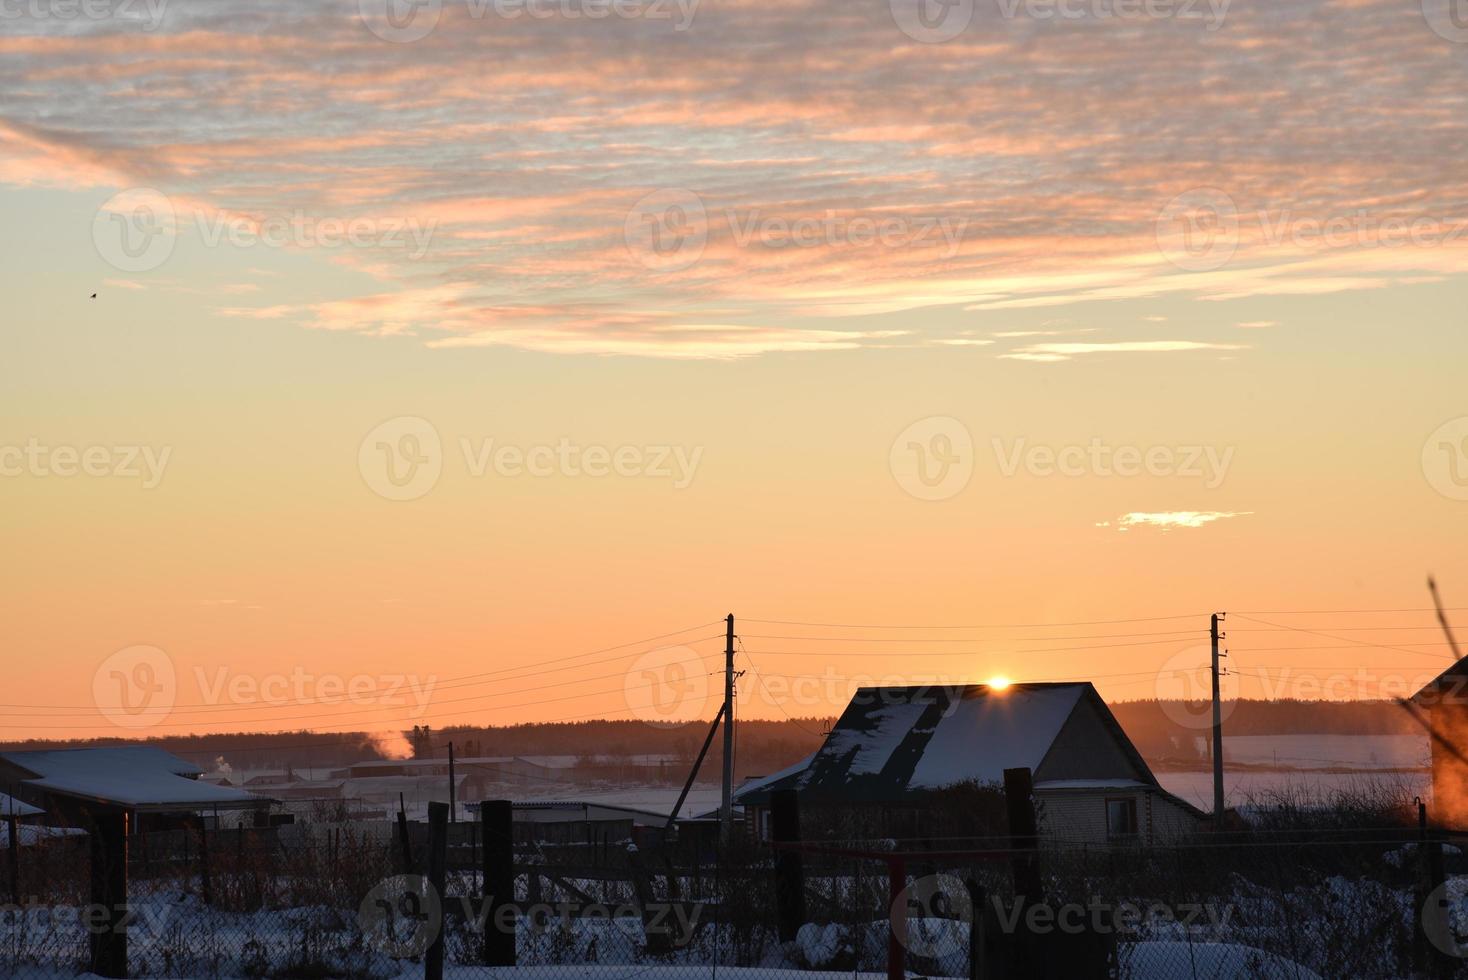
(420, 366)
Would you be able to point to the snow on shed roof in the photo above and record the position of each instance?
(10, 805)
(757, 790)
(896, 740)
(133, 776)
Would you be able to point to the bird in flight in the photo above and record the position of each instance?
(94, 296)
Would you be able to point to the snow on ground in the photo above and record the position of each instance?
(1215, 961)
(1140, 961)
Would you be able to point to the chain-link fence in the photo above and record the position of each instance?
(360, 900)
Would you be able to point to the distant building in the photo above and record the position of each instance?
(895, 749)
(1444, 700)
(582, 822)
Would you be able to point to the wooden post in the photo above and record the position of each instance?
(789, 877)
(1024, 864)
(979, 967)
(453, 803)
(205, 882)
(1024, 833)
(1420, 942)
(897, 904)
(438, 832)
(405, 843)
(656, 940)
(12, 827)
(497, 825)
(109, 892)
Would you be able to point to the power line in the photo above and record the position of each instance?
(968, 653)
(1402, 648)
(975, 626)
(291, 704)
(761, 679)
(1180, 634)
(1325, 612)
(533, 670)
(410, 718)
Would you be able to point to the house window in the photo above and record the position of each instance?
(1121, 818)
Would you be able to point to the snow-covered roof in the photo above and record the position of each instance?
(986, 732)
(132, 776)
(763, 784)
(10, 805)
(893, 741)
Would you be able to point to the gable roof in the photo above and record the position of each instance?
(1453, 680)
(132, 776)
(893, 742)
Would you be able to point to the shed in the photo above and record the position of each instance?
(135, 779)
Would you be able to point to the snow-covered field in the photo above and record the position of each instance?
(1242, 786)
(1329, 751)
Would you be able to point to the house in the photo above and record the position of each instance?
(1444, 702)
(896, 750)
(73, 785)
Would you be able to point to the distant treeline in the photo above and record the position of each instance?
(762, 747)
(1159, 729)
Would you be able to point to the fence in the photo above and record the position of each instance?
(371, 901)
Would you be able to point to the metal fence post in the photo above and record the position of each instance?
(12, 827)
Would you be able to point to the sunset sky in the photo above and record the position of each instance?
(1074, 328)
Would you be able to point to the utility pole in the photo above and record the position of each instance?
(726, 811)
(1217, 732)
(453, 810)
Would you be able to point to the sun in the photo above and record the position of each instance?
(1000, 683)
